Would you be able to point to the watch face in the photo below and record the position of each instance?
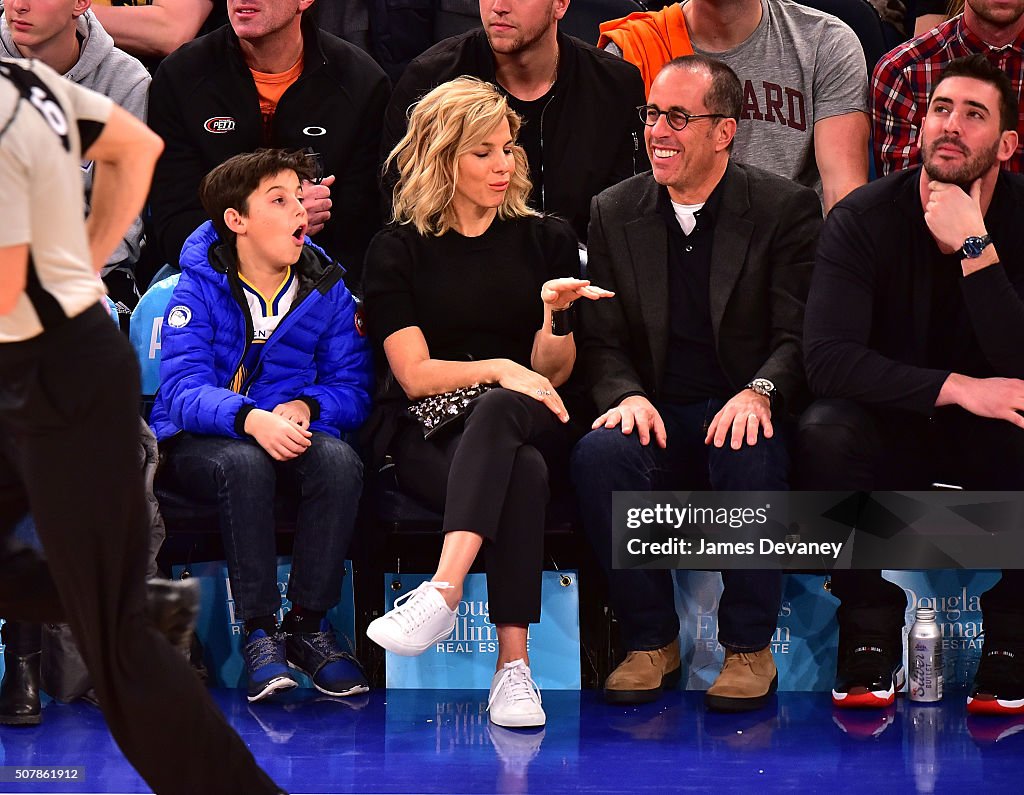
(973, 246)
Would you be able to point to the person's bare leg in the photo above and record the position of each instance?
(458, 552)
(512, 644)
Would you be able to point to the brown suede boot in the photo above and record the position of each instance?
(642, 675)
(745, 683)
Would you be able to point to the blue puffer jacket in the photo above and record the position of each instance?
(315, 354)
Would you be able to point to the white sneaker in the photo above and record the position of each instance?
(514, 701)
(418, 620)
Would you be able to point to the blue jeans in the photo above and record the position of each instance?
(606, 460)
(242, 479)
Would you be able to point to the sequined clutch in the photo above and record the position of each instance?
(445, 411)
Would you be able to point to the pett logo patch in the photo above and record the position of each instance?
(179, 316)
(220, 125)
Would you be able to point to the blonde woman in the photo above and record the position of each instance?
(470, 286)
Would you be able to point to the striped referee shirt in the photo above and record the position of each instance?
(904, 78)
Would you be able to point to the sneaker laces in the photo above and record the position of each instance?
(517, 684)
(414, 609)
(326, 645)
(264, 651)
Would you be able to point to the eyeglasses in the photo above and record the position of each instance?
(677, 119)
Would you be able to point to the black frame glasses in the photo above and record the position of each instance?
(649, 115)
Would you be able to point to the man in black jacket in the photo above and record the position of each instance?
(271, 79)
(913, 341)
(580, 132)
(695, 363)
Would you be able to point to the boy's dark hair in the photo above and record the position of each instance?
(232, 182)
(979, 67)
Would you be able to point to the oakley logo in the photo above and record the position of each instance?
(314, 131)
(219, 125)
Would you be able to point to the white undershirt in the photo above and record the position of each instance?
(685, 215)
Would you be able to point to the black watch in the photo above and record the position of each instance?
(973, 246)
(763, 386)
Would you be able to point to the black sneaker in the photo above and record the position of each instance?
(999, 683)
(320, 656)
(868, 676)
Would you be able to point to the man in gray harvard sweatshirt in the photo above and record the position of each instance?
(68, 38)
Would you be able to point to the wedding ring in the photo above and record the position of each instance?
(543, 392)
(751, 416)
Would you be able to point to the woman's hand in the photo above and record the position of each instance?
(559, 294)
(524, 380)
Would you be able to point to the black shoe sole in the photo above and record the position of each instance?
(20, 720)
(671, 679)
(727, 704)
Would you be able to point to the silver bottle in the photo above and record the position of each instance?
(925, 657)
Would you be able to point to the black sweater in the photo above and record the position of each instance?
(472, 297)
(869, 317)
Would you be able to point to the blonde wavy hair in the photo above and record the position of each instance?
(445, 124)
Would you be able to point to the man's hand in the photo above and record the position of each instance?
(317, 201)
(295, 410)
(996, 398)
(280, 437)
(741, 418)
(952, 215)
(637, 412)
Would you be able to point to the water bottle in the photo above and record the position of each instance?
(925, 658)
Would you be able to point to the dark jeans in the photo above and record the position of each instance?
(492, 478)
(242, 479)
(606, 460)
(846, 446)
(69, 441)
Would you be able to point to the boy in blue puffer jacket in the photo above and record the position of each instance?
(263, 370)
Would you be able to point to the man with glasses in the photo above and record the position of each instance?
(804, 78)
(696, 364)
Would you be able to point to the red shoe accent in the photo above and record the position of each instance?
(994, 706)
(876, 699)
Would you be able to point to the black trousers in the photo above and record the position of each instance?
(69, 454)
(491, 477)
(846, 446)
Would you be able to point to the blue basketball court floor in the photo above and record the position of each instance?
(440, 741)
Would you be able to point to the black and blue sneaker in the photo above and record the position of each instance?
(320, 656)
(266, 665)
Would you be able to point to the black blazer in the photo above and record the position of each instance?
(762, 253)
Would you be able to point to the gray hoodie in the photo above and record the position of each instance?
(114, 73)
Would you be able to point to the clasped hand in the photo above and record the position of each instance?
(284, 432)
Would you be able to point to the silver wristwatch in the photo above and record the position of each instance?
(764, 387)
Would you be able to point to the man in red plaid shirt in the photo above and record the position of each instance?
(904, 78)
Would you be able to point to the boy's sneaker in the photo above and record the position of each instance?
(868, 676)
(265, 663)
(999, 683)
(418, 620)
(333, 671)
(514, 700)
